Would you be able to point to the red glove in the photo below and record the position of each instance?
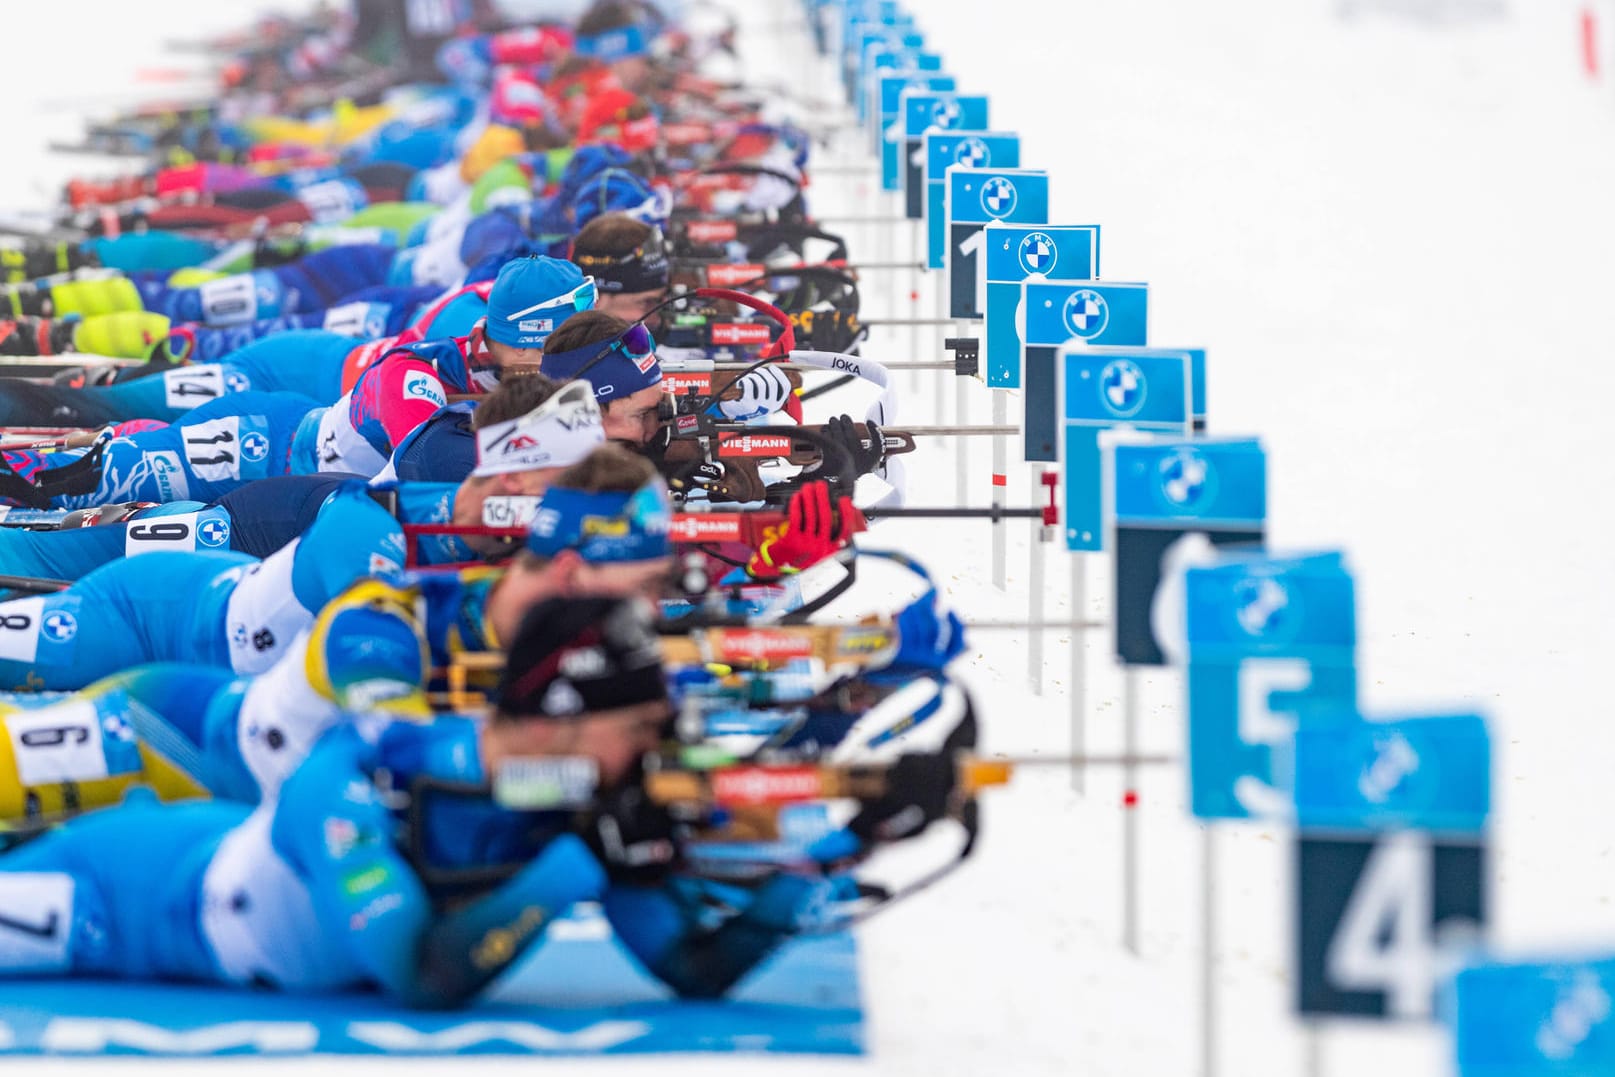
(811, 533)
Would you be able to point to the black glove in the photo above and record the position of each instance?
(844, 432)
(635, 839)
(919, 789)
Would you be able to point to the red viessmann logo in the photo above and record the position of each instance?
(711, 231)
(727, 276)
(741, 643)
(702, 527)
(684, 384)
(770, 785)
(755, 445)
(740, 333)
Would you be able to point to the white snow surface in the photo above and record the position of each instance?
(1396, 238)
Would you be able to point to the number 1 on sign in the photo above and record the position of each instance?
(970, 253)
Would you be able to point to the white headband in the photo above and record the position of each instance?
(558, 433)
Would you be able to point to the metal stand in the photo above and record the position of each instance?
(1000, 466)
(961, 405)
(1079, 666)
(1034, 597)
(1312, 1046)
(941, 313)
(1208, 950)
(1130, 830)
(916, 241)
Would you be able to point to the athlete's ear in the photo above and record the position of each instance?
(568, 569)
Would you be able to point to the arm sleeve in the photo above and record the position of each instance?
(398, 394)
(333, 828)
(661, 930)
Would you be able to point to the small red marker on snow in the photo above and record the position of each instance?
(1000, 480)
(1130, 799)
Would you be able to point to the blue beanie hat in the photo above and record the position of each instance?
(532, 296)
(617, 190)
(586, 163)
(614, 376)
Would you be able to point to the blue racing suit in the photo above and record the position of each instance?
(338, 885)
(215, 608)
(211, 451)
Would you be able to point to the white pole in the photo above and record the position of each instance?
(1208, 951)
(1034, 599)
(1314, 1048)
(1079, 667)
(961, 405)
(1000, 470)
(1130, 835)
(914, 301)
(941, 313)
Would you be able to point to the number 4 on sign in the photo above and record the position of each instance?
(1379, 914)
(1385, 939)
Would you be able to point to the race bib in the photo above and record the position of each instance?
(329, 202)
(66, 743)
(19, 628)
(206, 529)
(229, 301)
(357, 319)
(263, 613)
(213, 449)
(188, 386)
(36, 920)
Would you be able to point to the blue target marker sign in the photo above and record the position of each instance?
(974, 196)
(1391, 859)
(922, 112)
(885, 57)
(968, 150)
(1051, 314)
(1158, 494)
(1270, 639)
(893, 37)
(1535, 1019)
(1011, 254)
(1101, 389)
(1351, 774)
(889, 132)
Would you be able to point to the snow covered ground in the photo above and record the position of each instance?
(1397, 242)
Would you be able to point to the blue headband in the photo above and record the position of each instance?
(603, 528)
(615, 376)
(609, 46)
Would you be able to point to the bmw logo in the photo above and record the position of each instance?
(1086, 313)
(972, 152)
(1263, 608)
(1122, 388)
(1186, 479)
(1038, 254)
(945, 113)
(59, 626)
(255, 446)
(213, 533)
(237, 382)
(998, 197)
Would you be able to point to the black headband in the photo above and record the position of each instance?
(643, 269)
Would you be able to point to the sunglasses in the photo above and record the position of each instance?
(582, 298)
(635, 342)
